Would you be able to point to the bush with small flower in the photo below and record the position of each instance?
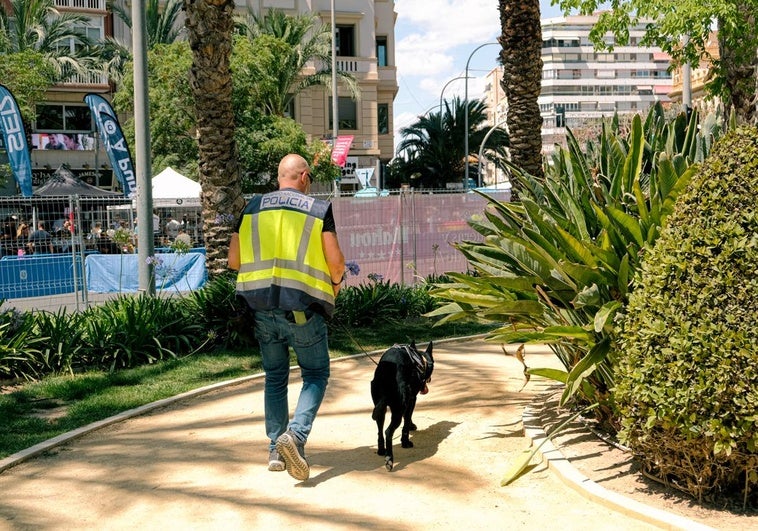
(182, 243)
(123, 237)
(380, 301)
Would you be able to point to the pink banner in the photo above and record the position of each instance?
(341, 149)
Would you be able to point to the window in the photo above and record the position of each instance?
(383, 118)
(63, 118)
(381, 51)
(560, 116)
(346, 112)
(289, 110)
(345, 41)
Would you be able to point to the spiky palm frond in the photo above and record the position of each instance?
(39, 26)
(302, 42)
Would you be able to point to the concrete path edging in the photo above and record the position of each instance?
(559, 464)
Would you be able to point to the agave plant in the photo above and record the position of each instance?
(558, 265)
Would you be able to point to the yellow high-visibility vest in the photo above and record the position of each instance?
(282, 263)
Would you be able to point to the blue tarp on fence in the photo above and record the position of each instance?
(118, 273)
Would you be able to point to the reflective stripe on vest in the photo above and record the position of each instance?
(273, 271)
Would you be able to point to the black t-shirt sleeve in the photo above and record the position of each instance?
(329, 225)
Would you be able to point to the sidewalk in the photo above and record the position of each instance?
(200, 462)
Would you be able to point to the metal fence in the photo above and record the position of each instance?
(76, 251)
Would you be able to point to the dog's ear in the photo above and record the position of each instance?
(429, 350)
(413, 344)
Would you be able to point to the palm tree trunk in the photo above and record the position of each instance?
(521, 56)
(209, 26)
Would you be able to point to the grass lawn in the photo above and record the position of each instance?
(37, 411)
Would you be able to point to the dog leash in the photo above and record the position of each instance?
(352, 338)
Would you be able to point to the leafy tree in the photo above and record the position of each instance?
(521, 56)
(263, 141)
(28, 75)
(693, 19)
(172, 113)
(289, 44)
(433, 145)
(209, 29)
(36, 25)
(161, 22)
(161, 27)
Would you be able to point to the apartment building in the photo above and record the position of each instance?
(365, 48)
(63, 131)
(581, 86)
(497, 114)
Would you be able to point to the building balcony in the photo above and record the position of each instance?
(360, 67)
(85, 79)
(92, 5)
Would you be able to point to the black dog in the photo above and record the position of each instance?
(401, 374)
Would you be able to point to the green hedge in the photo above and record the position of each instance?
(688, 380)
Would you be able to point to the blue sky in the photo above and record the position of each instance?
(433, 41)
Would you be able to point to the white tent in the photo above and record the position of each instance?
(170, 184)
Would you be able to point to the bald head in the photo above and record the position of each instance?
(294, 172)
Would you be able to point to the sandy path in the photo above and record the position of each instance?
(201, 463)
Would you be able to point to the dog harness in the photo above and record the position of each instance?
(420, 363)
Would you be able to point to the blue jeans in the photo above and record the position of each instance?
(276, 333)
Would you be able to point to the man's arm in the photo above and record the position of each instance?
(234, 252)
(335, 260)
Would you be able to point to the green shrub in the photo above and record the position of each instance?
(688, 380)
(380, 301)
(132, 330)
(217, 308)
(19, 352)
(556, 266)
(61, 335)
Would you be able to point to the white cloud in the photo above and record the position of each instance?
(429, 31)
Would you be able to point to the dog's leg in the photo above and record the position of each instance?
(380, 410)
(395, 419)
(378, 415)
(405, 437)
(409, 423)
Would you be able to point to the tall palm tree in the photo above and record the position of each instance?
(161, 21)
(161, 27)
(302, 41)
(209, 29)
(433, 145)
(36, 25)
(521, 56)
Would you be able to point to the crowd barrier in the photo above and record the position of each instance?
(403, 237)
(39, 275)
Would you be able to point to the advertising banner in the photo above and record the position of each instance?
(14, 137)
(340, 149)
(114, 142)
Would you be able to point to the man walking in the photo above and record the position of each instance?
(290, 270)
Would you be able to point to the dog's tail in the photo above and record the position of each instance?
(380, 407)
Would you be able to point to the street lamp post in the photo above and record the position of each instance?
(142, 149)
(443, 91)
(335, 104)
(465, 115)
(335, 107)
(481, 151)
